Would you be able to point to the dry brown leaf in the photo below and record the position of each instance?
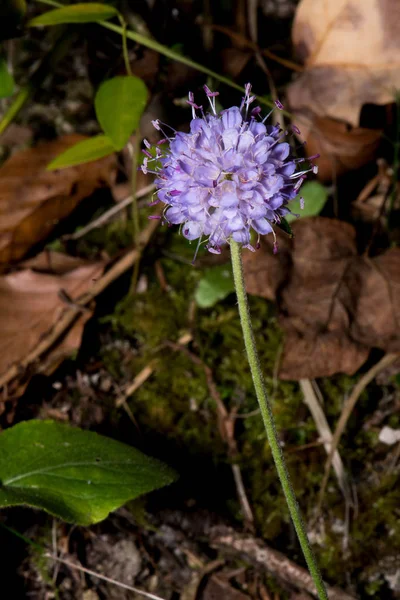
(341, 148)
(335, 305)
(30, 305)
(310, 356)
(376, 301)
(50, 261)
(33, 200)
(264, 276)
(234, 60)
(317, 321)
(16, 135)
(351, 51)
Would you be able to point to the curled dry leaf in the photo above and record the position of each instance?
(335, 305)
(30, 305)
(265, 276)
(33, 200)
(50, 261)
(351, 51)
(342, 148)
(376, 300)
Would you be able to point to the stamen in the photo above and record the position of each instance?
(211, 98)
(198, 246)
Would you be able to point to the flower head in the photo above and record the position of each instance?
(231, 173)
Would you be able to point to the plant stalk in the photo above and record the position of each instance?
(268, 418)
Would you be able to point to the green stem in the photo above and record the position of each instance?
(169, 53)
(268, 418)
(125, 45)
(15, 107)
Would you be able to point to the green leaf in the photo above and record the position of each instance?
(315, 196)
(6, 80)
(73, 474)
(216, 285)
(76, 13)
(119, 104)
(83, 152)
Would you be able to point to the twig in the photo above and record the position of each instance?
(348, 407)
(109, 214)
(69, 316)
(148, 42)
(257, 552)
(125, 586)
(325, 434)
(254, 46)
(145, 373)
(252, 8)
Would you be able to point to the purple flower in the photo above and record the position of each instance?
(231, 173)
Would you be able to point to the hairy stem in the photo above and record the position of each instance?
(268, 418)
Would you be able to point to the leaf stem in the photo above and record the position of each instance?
(268, 418)
(125, 45)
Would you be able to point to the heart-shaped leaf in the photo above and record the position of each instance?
(216, 285)
(77, 13)
(76, 475)
(83, 152)
(119, 104)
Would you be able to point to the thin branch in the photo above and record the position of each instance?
(272, 561)
(125, 586)
(348, 408)
(325, 434)
(109, 214)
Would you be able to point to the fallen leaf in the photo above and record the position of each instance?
(50, 261)
(216, 589)
(314, 316)
(351, 52)
(33, 200)
(320, 355)
(30, 305)
(265, 271)
(342, 148)
(234, 60)
(335, 305)
(376, 300)
(16, 135)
